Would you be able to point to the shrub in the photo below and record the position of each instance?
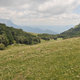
(9, 35)
(46, 37)
(4, 40)
(2, 46)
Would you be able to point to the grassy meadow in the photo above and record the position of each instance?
(49, 60)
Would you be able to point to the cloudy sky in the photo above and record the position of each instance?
(41, 12)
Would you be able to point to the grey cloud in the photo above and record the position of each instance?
(37, 9)
(8, 3)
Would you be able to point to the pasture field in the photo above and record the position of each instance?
(49, 60)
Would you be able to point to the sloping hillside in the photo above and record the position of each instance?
(73, 32)
(51, 60)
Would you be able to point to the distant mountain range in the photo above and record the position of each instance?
(26, 28)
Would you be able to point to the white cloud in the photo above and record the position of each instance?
(40, 12)
(58, 6)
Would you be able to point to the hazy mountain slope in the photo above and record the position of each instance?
(26, 28)
(37, 30)
(8, 22)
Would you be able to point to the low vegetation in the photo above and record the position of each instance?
(46, 37)
(2, 46)
(50, 60)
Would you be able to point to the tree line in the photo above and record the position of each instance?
(47, 37)
(10, 35)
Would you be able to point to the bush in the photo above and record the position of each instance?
(46, 37)
(4, 39)
(2, 46)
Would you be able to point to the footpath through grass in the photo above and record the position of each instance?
(51, 60)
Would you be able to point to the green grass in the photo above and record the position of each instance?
(51, 60)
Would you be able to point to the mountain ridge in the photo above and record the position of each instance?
(72, 32)
(26, 28)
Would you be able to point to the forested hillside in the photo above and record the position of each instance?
(10, 35)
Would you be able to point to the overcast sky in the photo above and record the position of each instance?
(41, 12)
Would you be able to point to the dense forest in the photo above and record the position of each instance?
(10, 35)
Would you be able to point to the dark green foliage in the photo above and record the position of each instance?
(2, 46)
(55, 38)
(4, 39)
(46, 36)
(35, 40)
(9, 35)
